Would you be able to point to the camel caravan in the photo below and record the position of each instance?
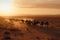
(35, 22)
(30, 21)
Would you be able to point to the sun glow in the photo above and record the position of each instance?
(6, 7)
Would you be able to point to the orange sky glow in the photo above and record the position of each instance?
(29, 7)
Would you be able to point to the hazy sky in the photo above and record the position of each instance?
(38, 1)
(37, 7)
(29, 3)
(33, 7)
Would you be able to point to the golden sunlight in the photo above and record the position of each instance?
(6, 7)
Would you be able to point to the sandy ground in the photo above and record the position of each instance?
(22, 31)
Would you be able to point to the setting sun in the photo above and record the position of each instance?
(6, 7)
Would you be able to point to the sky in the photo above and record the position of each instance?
(31, 7)
(37, 3)
(37, 7)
